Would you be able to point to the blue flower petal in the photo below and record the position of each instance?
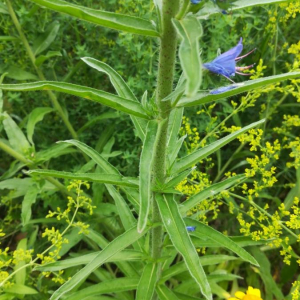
(191, 228)
(195, 1)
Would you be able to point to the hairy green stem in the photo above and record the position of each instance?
(167, 57)
(40, 74)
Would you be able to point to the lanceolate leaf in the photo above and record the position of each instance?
(102, 18)
(117, 245)
(16, 137)
(146, 287)
(94, 177)
(165, 294)
(205, 261)
(36, 116)
(210, 8)
(29, 199)
(181, 241)
(118, 103)
(190, 30)
(211, 191)
(105, 287)
(239, 4)
(126, 255)
(122, 89)
(205, 97)
(94, 155)
(146, 163)
(223, 240)
(197, 155)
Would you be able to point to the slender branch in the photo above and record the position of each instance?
(40, 74)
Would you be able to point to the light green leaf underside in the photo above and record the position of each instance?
(205, 97)
(126, 255)
(190, 30)
(106, 287)
(211, 9)
(146, 286)
(145, 173)
(94, 177)
(113, 101)
(107, 19)
(223, 240)
(181, 240)
(211, 191)
(121, 88)
(197, 155)
(117, 245)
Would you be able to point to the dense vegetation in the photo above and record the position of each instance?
(241, 194)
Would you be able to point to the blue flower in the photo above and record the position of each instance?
(225, 64)
(191, 228)
(195, 1)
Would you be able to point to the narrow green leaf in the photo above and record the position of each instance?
(174, 127)
(15, 72)
(16, 137)
(124, 211)
(29, 199)
(94, 155)
(46, 39)
(21, 289)
(20, 276)
(165, 294)
(94, 177)
(36, 116)
(117, 245)
(113, 101)
(102, 18)
(206, 260)
(146, 163)
(173, 152)
(190, 30)
(122, 89)
(146, 286)
(210, 8)
(181, 241)
(221, 239)
(245, 86)
(173, 182)
(106, 287)
(42, 58)
(266, 275)
(95, 120)
(197, 155)
(125, 255)
(211, 191)
(239, 4)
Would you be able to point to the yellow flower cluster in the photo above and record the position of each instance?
(291, 10)
(10, 261)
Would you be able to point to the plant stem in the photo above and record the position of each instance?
(40, 74)
(30, 165)
(167, 57)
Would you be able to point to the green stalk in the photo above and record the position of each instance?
(167, 57)
(30, 165)
(40, 74)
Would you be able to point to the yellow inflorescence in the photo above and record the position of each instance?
(9, 260)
